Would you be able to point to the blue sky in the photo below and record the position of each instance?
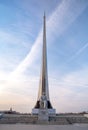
(21, 24)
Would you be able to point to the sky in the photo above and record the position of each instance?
(21, 26)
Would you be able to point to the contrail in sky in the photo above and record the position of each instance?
(65, 13)
(79, 52)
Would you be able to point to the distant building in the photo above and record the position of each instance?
(10, 111)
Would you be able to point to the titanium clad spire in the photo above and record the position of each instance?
(43, 86)
(43, 94)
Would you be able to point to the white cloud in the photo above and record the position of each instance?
(10, 38)
(71, 91)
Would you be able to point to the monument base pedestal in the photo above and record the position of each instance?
(43, 115)
(51, 112)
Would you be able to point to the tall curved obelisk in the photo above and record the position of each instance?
(43, 102)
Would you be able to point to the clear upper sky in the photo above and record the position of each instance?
(21, 23)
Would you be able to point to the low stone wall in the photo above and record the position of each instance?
(69, 119)
(73, 120)
(31, 119)
(13, 119)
